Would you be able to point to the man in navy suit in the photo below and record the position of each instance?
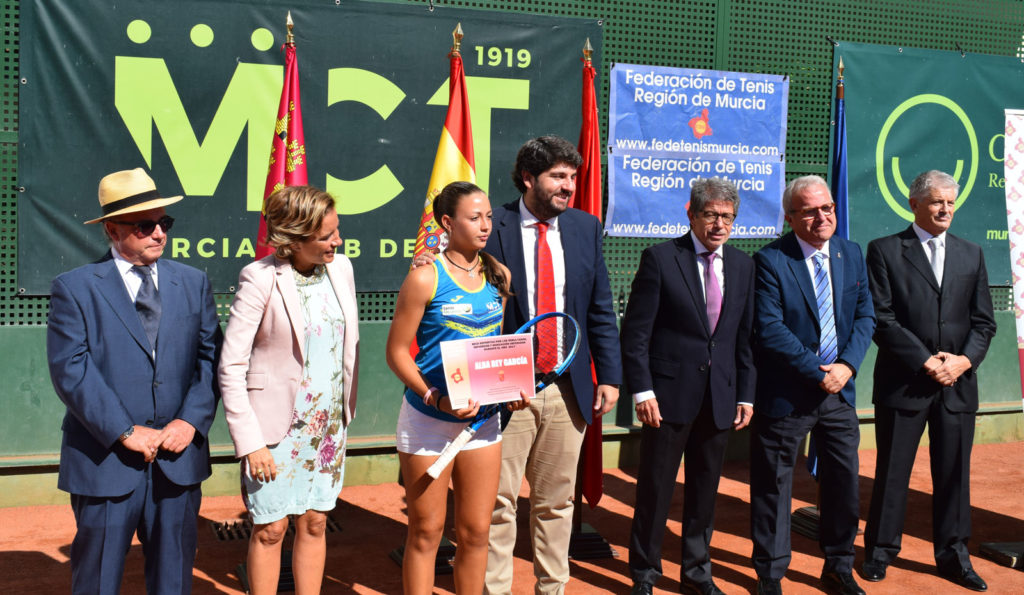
(687, 359)
(543, 442)
(935, 322)
(131, 343)
(813, 323)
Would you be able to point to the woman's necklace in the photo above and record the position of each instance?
(471, 271)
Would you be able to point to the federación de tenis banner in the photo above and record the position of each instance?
(189, 89)
(911, 110)
(670, 126)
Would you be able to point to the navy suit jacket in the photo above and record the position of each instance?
(101, 367)
(588, 295)
(787, 330)
(667, 342)
(917, 319)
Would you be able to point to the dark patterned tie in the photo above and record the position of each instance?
(147, 304)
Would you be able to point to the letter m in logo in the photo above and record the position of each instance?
(144, 95)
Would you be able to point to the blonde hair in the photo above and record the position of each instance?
(294, 214)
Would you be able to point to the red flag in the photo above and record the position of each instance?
(588, 198)
(288, 152)
(454, 161)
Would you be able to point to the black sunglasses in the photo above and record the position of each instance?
(146, 227)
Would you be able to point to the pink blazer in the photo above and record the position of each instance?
(262, 357)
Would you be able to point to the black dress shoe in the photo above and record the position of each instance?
(769, 586)
(840, 583)
(694, 588)
(965, 577)
(873, 570)
(642, 588)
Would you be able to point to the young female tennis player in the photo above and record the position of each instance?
(461, 294)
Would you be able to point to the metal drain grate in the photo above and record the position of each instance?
(241, 529)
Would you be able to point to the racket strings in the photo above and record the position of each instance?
(553, 338)
(545, 335)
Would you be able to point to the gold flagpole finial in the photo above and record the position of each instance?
(290, 38)
(840, 87)
(457, 39)
(588, 50)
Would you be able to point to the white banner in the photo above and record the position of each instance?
(1013, 171)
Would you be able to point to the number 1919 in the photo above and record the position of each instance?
(496, 56)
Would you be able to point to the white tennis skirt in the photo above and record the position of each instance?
(420, 434)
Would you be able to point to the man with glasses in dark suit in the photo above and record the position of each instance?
(687, 359)
(813, 322)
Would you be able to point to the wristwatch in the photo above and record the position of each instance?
(126, 434)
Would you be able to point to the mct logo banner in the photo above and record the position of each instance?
(189, 90)
(911, 110)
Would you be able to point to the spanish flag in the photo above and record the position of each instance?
(454, 161)
(288, 152)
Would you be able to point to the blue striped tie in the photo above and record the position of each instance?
(826, 317)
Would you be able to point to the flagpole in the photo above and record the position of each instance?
(585, 543)
(453, 162)
(806, 520)
(287, 159)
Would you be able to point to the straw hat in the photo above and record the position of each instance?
(129, 191)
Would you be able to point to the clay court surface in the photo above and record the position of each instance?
(35, 541)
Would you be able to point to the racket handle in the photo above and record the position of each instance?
(448, 454)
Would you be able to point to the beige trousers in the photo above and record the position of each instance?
(541, 443)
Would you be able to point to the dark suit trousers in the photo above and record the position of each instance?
(898, 433)
(661, 450)
(773, 451)
(164, 515)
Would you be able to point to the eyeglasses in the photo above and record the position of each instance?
(711, 217)
(812, 213)
(146, 227)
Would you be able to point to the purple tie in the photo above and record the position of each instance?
(712, 291)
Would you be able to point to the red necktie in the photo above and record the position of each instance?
(547, 331)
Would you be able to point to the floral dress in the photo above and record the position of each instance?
(310, 459)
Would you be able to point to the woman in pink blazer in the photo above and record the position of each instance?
(288, 379)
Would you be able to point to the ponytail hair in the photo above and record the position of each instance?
(445, 203)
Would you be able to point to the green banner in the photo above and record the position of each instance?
(189, 90)
(911, 110)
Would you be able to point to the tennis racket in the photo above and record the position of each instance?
(556, 341)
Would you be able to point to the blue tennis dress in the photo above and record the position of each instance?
(454, 312)
(310, 459)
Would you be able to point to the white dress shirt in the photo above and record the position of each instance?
(132, 280)
(554, 235)
(809, 251)
(924, 236)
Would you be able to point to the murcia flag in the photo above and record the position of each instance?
(288, 152)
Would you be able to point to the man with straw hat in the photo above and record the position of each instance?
(132, 342)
